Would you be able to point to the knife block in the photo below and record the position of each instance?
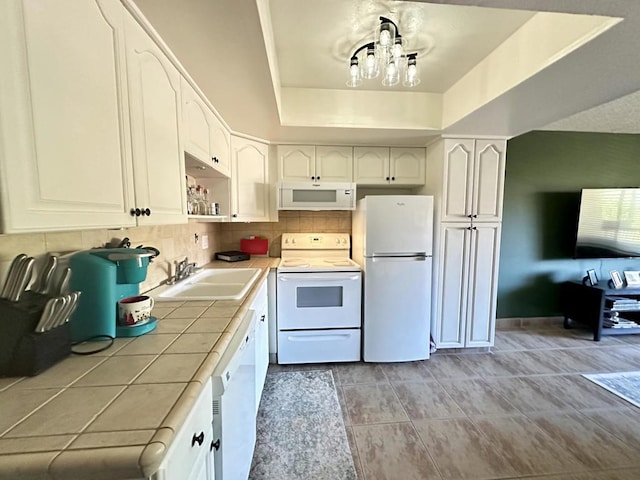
(22, 351)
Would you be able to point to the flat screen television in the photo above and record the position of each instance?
(609, 223)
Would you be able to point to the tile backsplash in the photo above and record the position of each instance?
(174, 241)
(290, 221)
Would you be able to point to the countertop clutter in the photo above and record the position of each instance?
(114, 414)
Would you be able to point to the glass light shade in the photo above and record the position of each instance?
(411, 73)
(370, 65)
(397, 51)
(391, 74)
(354, 74)
(386, 35)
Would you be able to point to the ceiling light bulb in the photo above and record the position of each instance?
(391, 74)
(412, 74)
(354, 74)
(370, 68)
(385, 38)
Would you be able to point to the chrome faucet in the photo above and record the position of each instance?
(183, 270)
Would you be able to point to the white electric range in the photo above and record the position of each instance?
(319, 291)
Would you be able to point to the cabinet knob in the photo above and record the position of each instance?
(393, 178)
(313, 178)
(214, 445)
(470, 216)
(317, 178)
(235, 215)
(145, 211)
(262, 318)
(468, 228)
(475, 216)
(387, 178)
(135, 212)
(197, 439)
(215, 159)
(474, 228)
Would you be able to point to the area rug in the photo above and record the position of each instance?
(300, 431)
(625, 384)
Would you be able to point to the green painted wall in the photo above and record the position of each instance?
(545, 172)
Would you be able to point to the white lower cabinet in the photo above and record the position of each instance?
(189, 455)
(261, 307)
(465, 286)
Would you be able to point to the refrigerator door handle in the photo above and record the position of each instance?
(416, 258)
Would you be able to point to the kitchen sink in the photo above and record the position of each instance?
(209, 284)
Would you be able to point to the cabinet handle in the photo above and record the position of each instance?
(262, 318)
(215, 445)
(135, 212)
(197, 439)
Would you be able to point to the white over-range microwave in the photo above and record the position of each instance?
(316, 196)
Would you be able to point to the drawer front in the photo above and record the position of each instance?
(193, 438)
(319, 346)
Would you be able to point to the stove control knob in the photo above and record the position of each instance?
(344, 241)
(337, 241)
(293, 240)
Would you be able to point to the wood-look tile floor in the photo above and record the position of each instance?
(520, 411)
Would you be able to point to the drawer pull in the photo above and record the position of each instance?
(197, 439)
(262, 318)
(215, 445)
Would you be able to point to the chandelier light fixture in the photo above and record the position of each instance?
(384, 55)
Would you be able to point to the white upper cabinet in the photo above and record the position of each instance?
(334, 164)
(389, 166)
(473, 183)
(407, 166)
(250, 189)
(65, 159)
(156, 120)
(205, 137)
(304, 163)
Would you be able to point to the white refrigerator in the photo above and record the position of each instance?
(392, 241)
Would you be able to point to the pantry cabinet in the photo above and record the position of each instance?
(466, 179)
(473, 181)
(389, 166)
(465, 293)
(303, 163)
(250, 187)
(65, 159)
(156, 122)
(205, 137)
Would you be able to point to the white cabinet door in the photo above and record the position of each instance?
(407, 166)
(155, 109)
(483, 283)
(220, 146)
(334, 164)
(465, 293)
(488, 180)
(473, 180)
(64, 155)
(187, 454)
(451, 285)
(260, 305)
(296, 163)
(196, 127)
(457, 181)
(371, 165)
(249, 181)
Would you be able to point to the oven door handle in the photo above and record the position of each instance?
(305, 277)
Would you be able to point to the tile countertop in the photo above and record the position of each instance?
(113, 415)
